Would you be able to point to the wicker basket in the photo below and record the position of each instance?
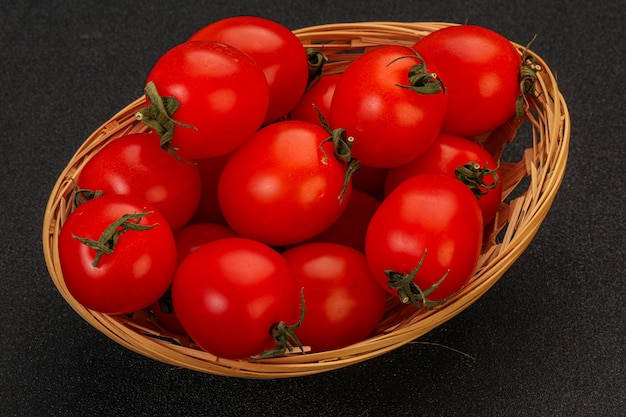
(533, 179)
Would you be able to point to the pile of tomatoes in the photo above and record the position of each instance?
(271, 205)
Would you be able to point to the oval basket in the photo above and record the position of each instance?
(531, 180)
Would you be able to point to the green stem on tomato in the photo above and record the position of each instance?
(342, 145)
(81, 195)
(410, 292)
(158, 117)
(316, 61)
(527, 79)
(108, 239)
(284, 336)
(473, 175)
(420, 79)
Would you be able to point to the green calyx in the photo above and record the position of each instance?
(81, 195)
(108, 239)
(473, 175)
(527, 79)
(316, 61)
(284, 336)
(158, 117)
(420, 80)
(410, 292)
(342, 145)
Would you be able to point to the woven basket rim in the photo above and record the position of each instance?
(544, 164)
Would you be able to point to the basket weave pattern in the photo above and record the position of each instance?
(542, 166)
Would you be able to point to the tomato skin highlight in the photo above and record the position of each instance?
(444, 157)
(480, 70)
(427, 212)
(281, 187)
(135, 274)
(391, 124)
(275, 49)
(136, 165)
(222, 93)
(343, 301)
(228, 293)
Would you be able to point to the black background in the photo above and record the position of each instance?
(548, 339)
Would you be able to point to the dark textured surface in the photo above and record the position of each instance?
(548, 339)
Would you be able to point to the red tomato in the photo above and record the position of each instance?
(229, 293)
(433, 216)
(344, 303)
(319, 95)
(448, 153)
(276, 50)
(281, 187)
(193, 236)
(371, 180)
(351, 226)
(140, 266)
(188, 239)
(480, 70)
(209, 210)
(222, 93)
(135, 165)
(163, 311)
(391, 124)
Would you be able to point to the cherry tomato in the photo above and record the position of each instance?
(344, 303)
(446, 156)
(427, 231)
(276, 50)
(163, 311)
(284, 185)
(135, 272)
(209, 210)
(135, 165)
(480, 70)
(391, 123)
(230, 292)
(319, 95)
(193, 236)
(222, 95)
(371, 180)
(351, 226)
(188, 239)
